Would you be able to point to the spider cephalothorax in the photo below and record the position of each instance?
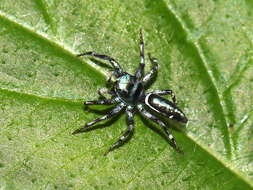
(128, 92)
(128, 89)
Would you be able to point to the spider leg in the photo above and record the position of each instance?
(148, 115)
(102, 102)
(102, 92)
(126, 134)
(140, 71)
(152, 72)
(166, 92)
(112, 113)
(109, 78)
(113, 62)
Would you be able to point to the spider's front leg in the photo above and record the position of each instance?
(113, 62)
(126, 134)
(140, 71)
(101, 102)
(152, 72)
(170, 137)
(112, 113)
(104, 92)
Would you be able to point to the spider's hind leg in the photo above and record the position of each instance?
(155, 119)
(126, 134)
(166, 92)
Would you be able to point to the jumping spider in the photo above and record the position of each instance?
(128, 92)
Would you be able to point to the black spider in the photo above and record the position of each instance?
(128, 92)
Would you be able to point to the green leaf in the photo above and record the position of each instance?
(204, 50)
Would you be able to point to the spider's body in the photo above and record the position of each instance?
(128, 92)
(165, 107)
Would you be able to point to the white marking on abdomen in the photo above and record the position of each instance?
(147, 103)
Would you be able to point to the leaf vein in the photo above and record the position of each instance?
(220, 114)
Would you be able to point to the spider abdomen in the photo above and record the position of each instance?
(165, 107)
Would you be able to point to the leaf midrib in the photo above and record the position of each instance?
(25, 27)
